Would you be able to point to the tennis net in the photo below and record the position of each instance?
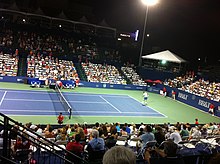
(64, 102)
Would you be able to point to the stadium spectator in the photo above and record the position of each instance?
(95, 147)
(184, 133)
(76, 148)
(211, 109)
(110, 141)
(159, 135)
(164, 91)
(119, 155)
(148, 136)
(166, 155)
(175, 135)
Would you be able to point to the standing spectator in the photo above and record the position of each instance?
(211, 109)
(164, 91)
(173, 94)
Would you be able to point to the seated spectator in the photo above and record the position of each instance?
(159, 135)
(148, 136)
(175, 135)
(110, 141)
(76, 148)
(184, 133)
(49, 133)
(119, 155)
(166, 155)
(96, 146)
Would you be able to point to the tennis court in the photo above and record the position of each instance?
(18, 102)
(41, 106)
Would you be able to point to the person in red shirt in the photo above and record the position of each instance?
(76, 148)
(164, 91)
(196, 121)
(173, 94)
(60, 118)
(211, 109)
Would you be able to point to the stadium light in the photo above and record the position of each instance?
(147, 3)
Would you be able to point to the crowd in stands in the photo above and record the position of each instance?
(132, 75)
(181, 81)
(200, 87)
(6, 38)
(30, 41)
(8, 64)
(48, 67)
(96, 140)
(207, 89)
(103, 73)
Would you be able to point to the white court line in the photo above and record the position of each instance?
(32, 100)
(49, 111)
(65, 93)
(148, 107)
(3, 97)
(110, 104)
(86, 116)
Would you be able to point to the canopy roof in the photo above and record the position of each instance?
(165, 55)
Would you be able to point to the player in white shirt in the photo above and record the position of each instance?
(145, 95)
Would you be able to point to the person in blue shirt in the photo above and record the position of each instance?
(148, 136)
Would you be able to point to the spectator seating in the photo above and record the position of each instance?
(8, 64)
(132, 75)
(50, 67)
(201, 87)
(103, 73)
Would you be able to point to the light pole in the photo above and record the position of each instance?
(147, 3)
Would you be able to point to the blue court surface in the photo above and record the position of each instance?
(18, 102)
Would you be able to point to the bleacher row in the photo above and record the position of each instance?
(184, 142)
(46, 67)
(8, 65)
(200, 87)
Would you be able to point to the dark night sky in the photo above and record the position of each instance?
(189, 28)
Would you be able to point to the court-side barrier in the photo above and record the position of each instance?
(191, 99)
(113, 86)
(14, 79)
(21, 79)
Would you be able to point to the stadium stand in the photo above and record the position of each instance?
(200, 87)
(50, 67)
(8, 64)
(133, 76)
(103, 73)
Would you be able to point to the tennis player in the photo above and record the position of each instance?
(145, 95)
